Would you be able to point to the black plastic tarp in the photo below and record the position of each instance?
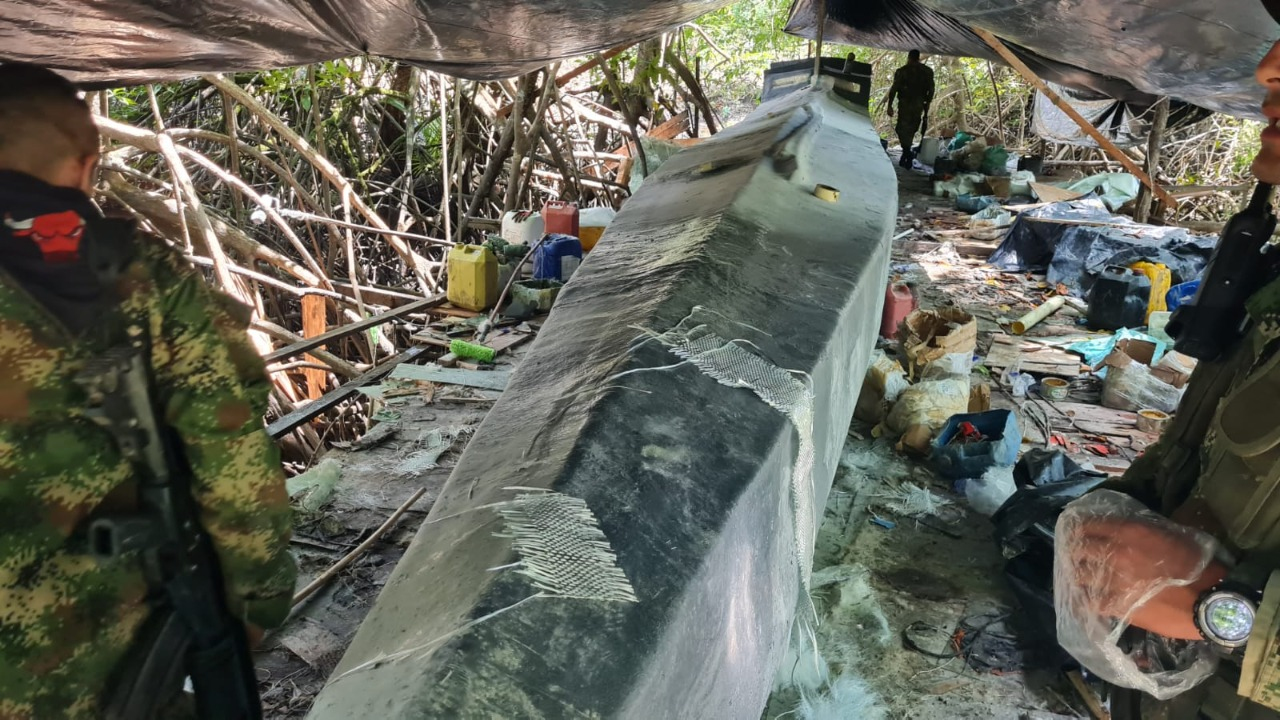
(1073, 242)
(1199, 51)
(109, 42)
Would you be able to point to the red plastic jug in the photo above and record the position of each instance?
(898, 304)
(560, 218)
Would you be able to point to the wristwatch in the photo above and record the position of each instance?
(1224, 614)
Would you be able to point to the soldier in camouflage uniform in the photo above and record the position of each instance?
(913, 89)
(70, 282)
(1216, 469)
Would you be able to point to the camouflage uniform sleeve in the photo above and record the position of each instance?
(214, 390)
(1260, 671)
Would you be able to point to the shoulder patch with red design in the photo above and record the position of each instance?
(58, 235)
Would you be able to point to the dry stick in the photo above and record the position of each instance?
(565, 79)
(154, 207)
(182, 179)
(1072, 113)
(518, 140)
(340, 366)
(1154, 143)
(557, 158)
(327, 169)
(273, 282)
(632, 122)
(712, 43)
(147, 140)
(240, 146)
(991, 73)
(695, 89)
(233, 152)
(301, 215)
(491, 170)
(359, 550)
(445, 179)
(536, 129)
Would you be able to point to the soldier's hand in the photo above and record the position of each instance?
(1137, 555)
(890, 111)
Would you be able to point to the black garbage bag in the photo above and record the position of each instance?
(1043, 466)
(1024, 532)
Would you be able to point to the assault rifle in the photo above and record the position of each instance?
(1215, 319)
(191, 632)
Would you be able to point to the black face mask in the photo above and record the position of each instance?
(57, 246)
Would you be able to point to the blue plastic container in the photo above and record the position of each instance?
(971, 460)
(1181, 293)
(557, 258)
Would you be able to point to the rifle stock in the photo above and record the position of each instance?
(192, 628)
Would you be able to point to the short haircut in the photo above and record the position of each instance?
(43, 121)
(913, 55)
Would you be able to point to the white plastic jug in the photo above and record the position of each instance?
(928, 151)
(522, 227)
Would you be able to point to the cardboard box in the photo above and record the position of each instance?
(1141, 351)
(928, 335)
(1174, 368)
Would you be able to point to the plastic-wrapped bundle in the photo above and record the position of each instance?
(1099, 588)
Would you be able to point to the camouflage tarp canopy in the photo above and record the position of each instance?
(1202, 52)
(1199, 51)
(109, 42)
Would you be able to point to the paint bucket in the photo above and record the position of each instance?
(1054, 388)
(1152, 421)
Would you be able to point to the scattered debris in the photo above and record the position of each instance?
(311, 641)
(913, 501)
(431, 445)
(314, 488)
(490, 380)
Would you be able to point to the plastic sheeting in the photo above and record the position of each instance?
(1099, 583)
(129, 41)
(1124, 123)
(1114, 118)
(1200, 51)
(1045, 239)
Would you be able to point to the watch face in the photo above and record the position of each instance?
(1227, 618)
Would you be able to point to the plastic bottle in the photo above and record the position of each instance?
(557, 258)
(592, 223)
(560, 218)
(473, 277)
(898, 304)
(1161, 281)
(522, 227)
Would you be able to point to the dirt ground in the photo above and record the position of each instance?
(880, 577)
(294, 661)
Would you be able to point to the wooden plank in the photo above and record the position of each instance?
(454, 311)
(314, 324)
(487, 380)
(506, 341)
(355, 327)
(1072, 113)
(427, 338)
(286, 423)
(1007, 351)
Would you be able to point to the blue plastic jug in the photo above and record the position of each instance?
(1181, 293)
(557, 258)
